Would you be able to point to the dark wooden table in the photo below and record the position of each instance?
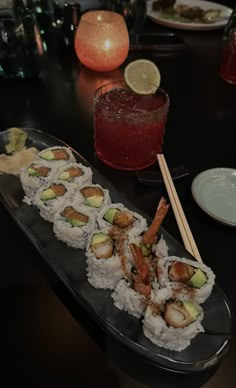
(42, 344)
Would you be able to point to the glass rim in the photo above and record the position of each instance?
(119, 17)
(122, 81)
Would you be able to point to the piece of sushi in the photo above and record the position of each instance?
(152, 244)
(170, 323)
(117, 217)
(38, 174)
(76, 174)
(57, 155)
(73, 224)
(160, 249)
(132, 294)
(104, 267)
(127, 299)
(94, 196)
(187, 279)
(51, 198)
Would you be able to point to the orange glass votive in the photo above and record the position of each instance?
(102, 40)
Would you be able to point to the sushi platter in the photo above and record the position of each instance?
(126, 272)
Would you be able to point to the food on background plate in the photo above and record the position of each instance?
(162, 4)
(182, 12)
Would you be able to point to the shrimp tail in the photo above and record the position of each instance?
(142, 266)
(150, 236)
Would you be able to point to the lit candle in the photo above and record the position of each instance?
(102, 40)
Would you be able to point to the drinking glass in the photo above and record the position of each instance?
(228, 64)
(129, 128)
(21, 47)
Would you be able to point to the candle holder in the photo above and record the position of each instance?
(102, 40)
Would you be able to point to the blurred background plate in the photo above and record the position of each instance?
(157, 16)
(214, 191)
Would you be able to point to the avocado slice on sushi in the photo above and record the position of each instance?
(47, 155)
(75, 222)
(180, 314)
(94, 201)
(99, 238)
(31, 171)
(146, 250)
(48, 194)
(191, 309)
(64, 175)
(110, 214)
(198, 279)
(101, 245)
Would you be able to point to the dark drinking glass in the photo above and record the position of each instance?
(21, 47)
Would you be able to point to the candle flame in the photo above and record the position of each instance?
(107, 44)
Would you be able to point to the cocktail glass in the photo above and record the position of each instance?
(129, 128)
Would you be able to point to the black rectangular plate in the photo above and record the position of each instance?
(69, 265)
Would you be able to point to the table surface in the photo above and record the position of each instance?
(42, 344)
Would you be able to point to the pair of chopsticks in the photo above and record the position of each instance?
(181, 220)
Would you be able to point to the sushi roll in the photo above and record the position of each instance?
(117, 217)
(160, 249)
(94, 196)
(170, 323)
(56, 155)
(132, 294)
(51, 198)
(187, 279)
(104, 268)
(152, 244)
(127, 299)
(73, 224)
(37, 175)
(75, 174)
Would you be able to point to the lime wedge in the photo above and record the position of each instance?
(142, 76)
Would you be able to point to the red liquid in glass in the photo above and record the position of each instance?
(129, 128)
(228, 65)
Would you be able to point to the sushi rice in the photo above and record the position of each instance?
(47, 209)
(106, 200)
(181, 290)
(60, 162)
(158, 332)
(73, 236)
(115, 272)
(125, 298)
(103, 273)
(85, 178)
(139, 225)
(31, 183)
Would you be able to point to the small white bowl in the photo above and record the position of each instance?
(214, 190)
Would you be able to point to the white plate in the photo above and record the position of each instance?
(214, 191)
(225, 11)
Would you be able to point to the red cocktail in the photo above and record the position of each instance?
(129, 128)
(228, 65)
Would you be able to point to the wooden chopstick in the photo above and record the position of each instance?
(181, 220)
